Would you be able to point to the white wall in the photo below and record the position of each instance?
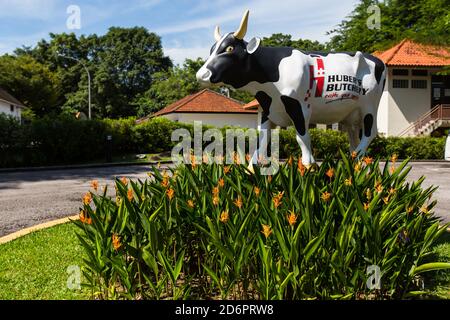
(400, 107)
(5, 107)
(244, 120)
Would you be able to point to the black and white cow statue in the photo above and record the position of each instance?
(299, 88)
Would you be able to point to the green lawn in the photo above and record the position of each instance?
(34, 267)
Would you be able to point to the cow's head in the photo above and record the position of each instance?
(228, 57)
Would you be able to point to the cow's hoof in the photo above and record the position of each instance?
(312, 167)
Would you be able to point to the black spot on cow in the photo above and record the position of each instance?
(294, 110)
(368, 123)
(264, 101)
(360, 134)
(238, 68)
(379, 66)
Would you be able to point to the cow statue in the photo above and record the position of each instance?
(299, 88)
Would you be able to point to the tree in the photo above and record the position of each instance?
(122, 64)
(31, 82)
(425, 21)
(285, 40)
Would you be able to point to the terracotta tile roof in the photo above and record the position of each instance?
(409, 53)
(4, 95)
(252, 105)
(205, 101)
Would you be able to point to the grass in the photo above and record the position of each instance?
(34, 267)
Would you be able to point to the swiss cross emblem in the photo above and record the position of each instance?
(316, 75)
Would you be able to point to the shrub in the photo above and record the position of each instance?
(214, 231)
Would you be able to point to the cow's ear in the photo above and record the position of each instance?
(253, 45)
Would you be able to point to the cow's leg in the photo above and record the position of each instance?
(300, 115)
(264, 141)
(369, 129)
(352, 125)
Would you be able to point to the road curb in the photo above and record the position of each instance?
(83, 166)
(42, 226)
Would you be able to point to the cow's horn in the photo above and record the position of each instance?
(240, 34)
(217, 35)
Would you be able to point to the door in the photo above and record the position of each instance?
(440, 90)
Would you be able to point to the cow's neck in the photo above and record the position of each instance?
(263, 67)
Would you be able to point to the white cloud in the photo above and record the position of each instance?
(178, 55)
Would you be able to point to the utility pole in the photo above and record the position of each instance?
(89, 79)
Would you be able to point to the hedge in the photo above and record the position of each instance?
(63, 140)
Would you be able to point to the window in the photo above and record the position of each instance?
(419, 73)
(419, 84)
(11, 108)
(400, 83)
(400, 72)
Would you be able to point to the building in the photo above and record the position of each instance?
(416, 99)
(211, 108)
(10, 105)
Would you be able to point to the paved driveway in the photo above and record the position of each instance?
(30, 198)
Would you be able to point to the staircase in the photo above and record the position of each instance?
(437, 117)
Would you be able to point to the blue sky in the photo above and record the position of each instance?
(186, 26)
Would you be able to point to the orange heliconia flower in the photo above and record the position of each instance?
(116, 242)
(226, 169)
(386, 200)
(409, 210)
(292, 218)
(392, 169)
(326, 196)
(394, 158)
(278, 199)
(290, 160)
(94, 185)
(257, 191)
(392, 191)
(215, 191)
(248, 157)
(266, 231)
(238, 202)
(216, 200)
(300, 167)
(424, 209)
(221, 182)
(379, 187)
(348, 182)
(366, 206)
(368, 160)
(224, 217)
(190, 203)
(87, 198)
(358, 167)
(193, 161)
(130, 194)
(354, 155)
(236, 158)
(84, 218)
(124, 180)
(330, 173)
(170, 193)
(165, 182)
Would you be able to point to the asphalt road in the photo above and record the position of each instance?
(30, 198)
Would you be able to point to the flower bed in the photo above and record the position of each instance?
(214, 231)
